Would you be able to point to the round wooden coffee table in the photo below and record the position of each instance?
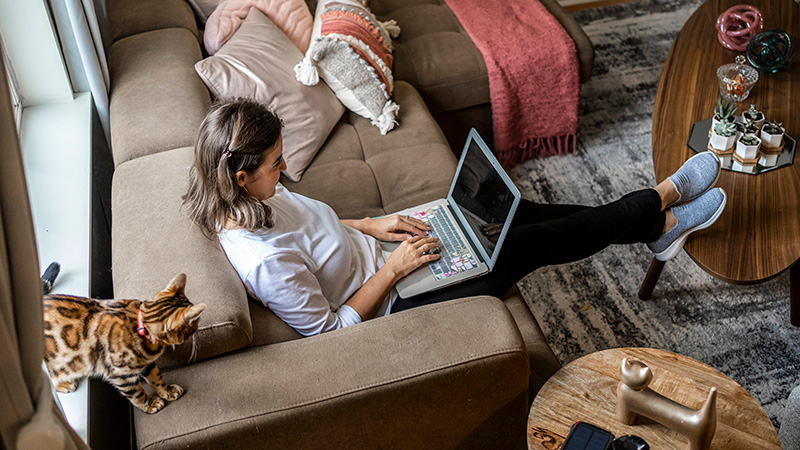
(585, 390)
(757, 237)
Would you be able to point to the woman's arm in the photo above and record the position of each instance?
(389, 228)
(297, 298)
(412, 253)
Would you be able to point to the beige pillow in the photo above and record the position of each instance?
(257, 62)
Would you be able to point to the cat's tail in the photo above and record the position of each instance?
(49, 277)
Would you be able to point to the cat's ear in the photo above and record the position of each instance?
(177, 284)
(194, 313)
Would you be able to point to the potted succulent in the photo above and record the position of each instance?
(723, 135)
(748, 128)
(772, 135)
(747, 146)
(723, 112)
(754, 115)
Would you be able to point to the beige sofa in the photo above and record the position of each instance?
(457, 374)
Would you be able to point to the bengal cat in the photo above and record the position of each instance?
(118, 340)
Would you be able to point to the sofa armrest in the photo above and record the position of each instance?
(583, 45)
(446, 375)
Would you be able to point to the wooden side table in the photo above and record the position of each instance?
(585, 390)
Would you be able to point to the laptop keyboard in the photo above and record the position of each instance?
(455, 254)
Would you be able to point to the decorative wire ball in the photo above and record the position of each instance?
(770, 51)
(738, 25)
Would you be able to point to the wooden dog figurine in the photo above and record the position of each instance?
(634, 397)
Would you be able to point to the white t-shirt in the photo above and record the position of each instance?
(307, 265)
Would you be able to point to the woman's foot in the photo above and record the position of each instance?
(696, 176)
(690, 217)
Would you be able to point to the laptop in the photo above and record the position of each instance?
(471, 223)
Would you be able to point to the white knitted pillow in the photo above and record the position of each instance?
(352, 51)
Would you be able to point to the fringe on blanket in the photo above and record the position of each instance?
(537, 147)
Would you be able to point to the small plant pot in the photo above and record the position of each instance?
(747, 151)
(771, 140)
(720, 142)
(754, 115)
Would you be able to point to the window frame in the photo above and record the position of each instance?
(13, 88)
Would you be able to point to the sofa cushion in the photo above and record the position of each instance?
(352, 51)
(157, 99)
(257, 62)
(360, 173)
(153, 240)
(129, 17)
(435, 54)
(424, 378)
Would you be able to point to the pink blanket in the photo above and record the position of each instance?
(533, 76)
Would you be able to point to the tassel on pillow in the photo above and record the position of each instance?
(385, 122)
(392, 28)
(306, 72)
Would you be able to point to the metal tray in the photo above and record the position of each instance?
(698, 141)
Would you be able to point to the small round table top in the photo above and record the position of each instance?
(585, 390)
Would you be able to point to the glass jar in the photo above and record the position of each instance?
(736, 79)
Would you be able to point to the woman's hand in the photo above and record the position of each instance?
(412, 253)
(394, 227)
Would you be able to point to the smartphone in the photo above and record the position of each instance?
(585, 436)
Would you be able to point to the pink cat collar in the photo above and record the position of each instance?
(141, 329)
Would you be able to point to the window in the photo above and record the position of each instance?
(16, 103)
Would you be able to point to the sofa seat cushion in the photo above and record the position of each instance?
(423, 378)
(152, 240)
(435, 54)
(129, 17)
(157, 99)
(361, 173)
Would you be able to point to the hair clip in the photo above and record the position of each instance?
(227, 152)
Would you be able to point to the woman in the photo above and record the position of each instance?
(319, 273)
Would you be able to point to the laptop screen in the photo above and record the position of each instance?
(483, 196)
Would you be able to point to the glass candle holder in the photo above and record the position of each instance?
(736, 80)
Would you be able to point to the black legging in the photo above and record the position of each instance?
(543, 235)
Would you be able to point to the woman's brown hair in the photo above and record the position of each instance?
(235, 135)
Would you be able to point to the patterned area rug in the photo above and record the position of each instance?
(591, 305)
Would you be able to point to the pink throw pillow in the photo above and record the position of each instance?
(291, 16)
(257, 63)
